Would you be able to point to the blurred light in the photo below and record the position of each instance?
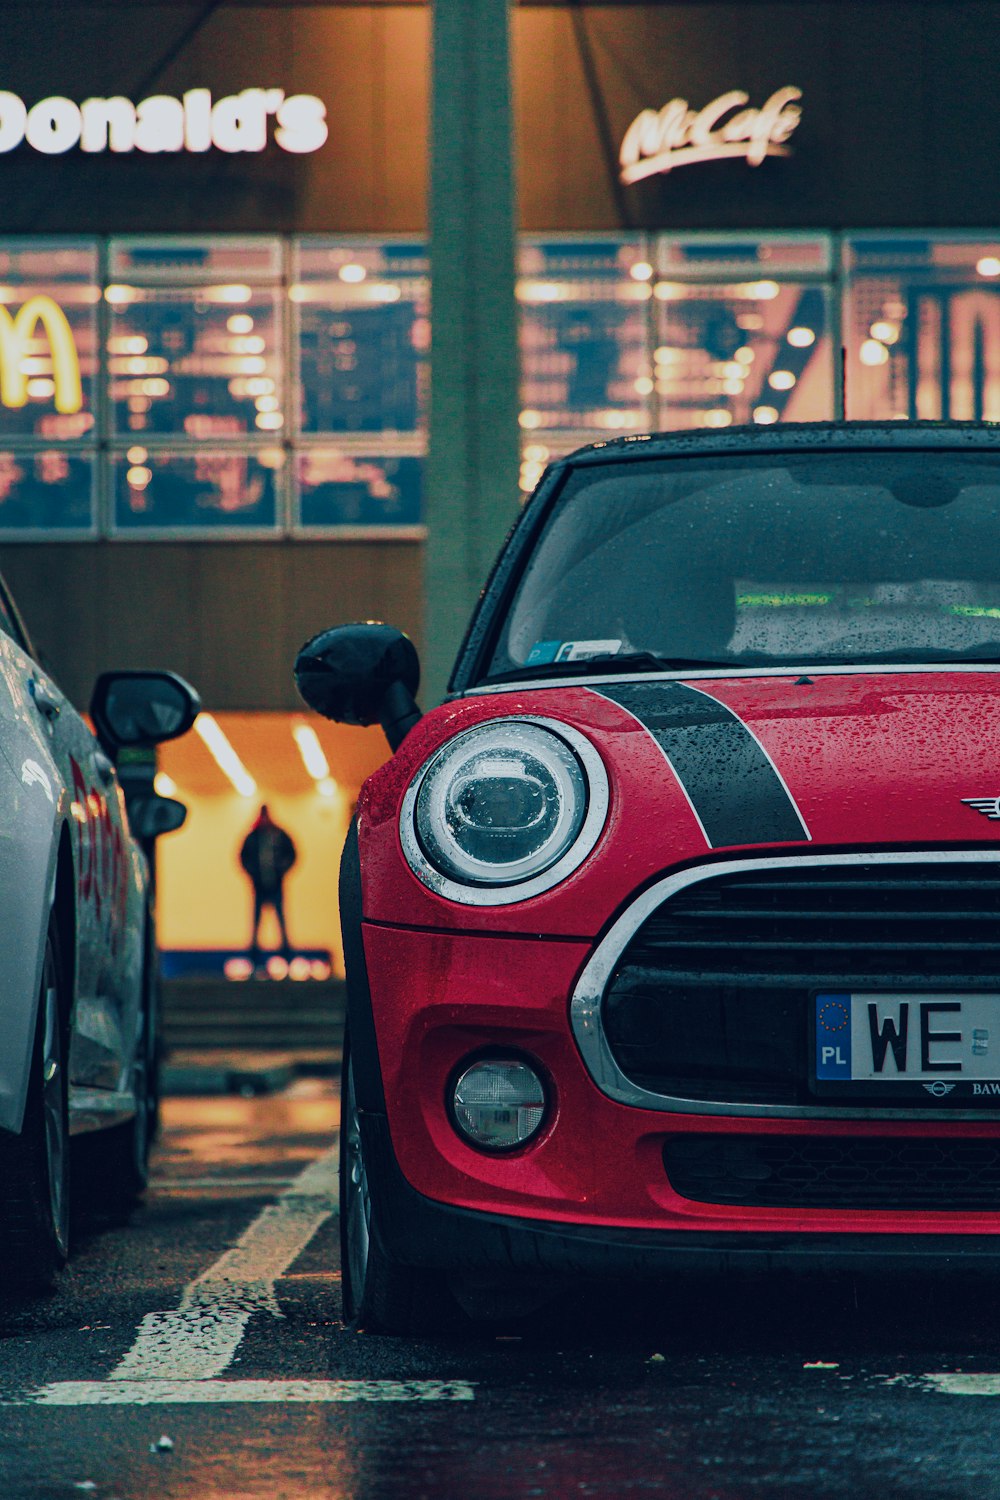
(540, 291)
(385, 291)
(311, 750)
(670, 291)
(801, 338)
(117, 295)
(352, 272)
(765, 415)
(41, 388)
(137, 455)
(733, 370)
(138, 364)
(224, 755)
(718, 417)
(765, 291)
(667, 355)
(164, 785)
(234, 293)
(641, 271)
(251, 345)
(319, 969)
(988, 266)
(128, 343)
(299, 968)
(269, 421)
(35, 365)
(271, 458)
(266, 403)
(530, 419)
(781, 380)
(732, 387)
(745, 356)
(873, 353)
(240, 323)
(277, 967)
(327, 787)
(750, 322)
(643, 386)
(237, 968)
(536, 453)
(886, 333)
(138, 477)
(250, 364)
(259, 386)
(155, 387)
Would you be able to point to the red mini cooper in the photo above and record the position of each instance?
(673, 935)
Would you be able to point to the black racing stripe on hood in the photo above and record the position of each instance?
(730, 782)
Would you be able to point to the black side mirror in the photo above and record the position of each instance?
(142, 708)
(150, 816)
(362, 674)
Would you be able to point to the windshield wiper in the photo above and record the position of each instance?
(629, 661)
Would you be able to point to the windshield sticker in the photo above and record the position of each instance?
(545, 651)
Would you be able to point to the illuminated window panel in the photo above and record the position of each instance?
(737, 346)
(48, 340)
(196, 491)
(363, 335)
(922, 327)
(221, 258)
(584, 337)
(344, 489)
(199, 361)
(46, 490)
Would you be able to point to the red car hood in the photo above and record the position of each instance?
(708, 767)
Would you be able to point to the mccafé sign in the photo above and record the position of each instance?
(679, 136)
(195, 122)
(17, 332)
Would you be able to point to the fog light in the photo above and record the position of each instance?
(499, 1104)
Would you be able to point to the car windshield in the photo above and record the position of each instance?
(836, 557)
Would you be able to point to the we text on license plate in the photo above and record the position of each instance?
(889, 1044)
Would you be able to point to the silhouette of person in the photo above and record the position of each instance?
(267, 855)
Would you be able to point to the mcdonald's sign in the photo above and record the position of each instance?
(16, 332)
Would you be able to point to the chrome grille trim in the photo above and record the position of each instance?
(588, 993)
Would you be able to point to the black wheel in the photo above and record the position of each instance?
(379, 1295)
(34, 1166)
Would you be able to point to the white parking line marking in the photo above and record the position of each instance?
(964, 1385)
(224, 1392)
(199, 1340)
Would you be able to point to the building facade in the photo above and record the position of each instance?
(215, 300)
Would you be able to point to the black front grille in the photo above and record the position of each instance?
(710, 998)
(842, 1172)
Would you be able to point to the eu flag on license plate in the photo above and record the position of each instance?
(833, 1036)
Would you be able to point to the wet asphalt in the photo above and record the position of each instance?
(768, 1387)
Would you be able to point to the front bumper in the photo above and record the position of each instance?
(414, 1230)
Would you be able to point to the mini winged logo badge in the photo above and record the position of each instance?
(988, 806)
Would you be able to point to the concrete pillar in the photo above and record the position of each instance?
(472, 469)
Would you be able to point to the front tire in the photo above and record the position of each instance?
(34, 1166)
(379, 1294)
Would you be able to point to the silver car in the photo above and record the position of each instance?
(78, 1022)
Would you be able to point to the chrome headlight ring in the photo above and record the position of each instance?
(500, 890)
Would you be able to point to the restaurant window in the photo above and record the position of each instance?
(49, 296)
(195, 360)
(361, 337)
(922, 326)
(744, 330)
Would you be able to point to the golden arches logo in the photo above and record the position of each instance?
(16, 331)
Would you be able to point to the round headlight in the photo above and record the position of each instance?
(504, 811)
(500, 804)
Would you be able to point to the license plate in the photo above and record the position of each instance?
(891, 1046)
